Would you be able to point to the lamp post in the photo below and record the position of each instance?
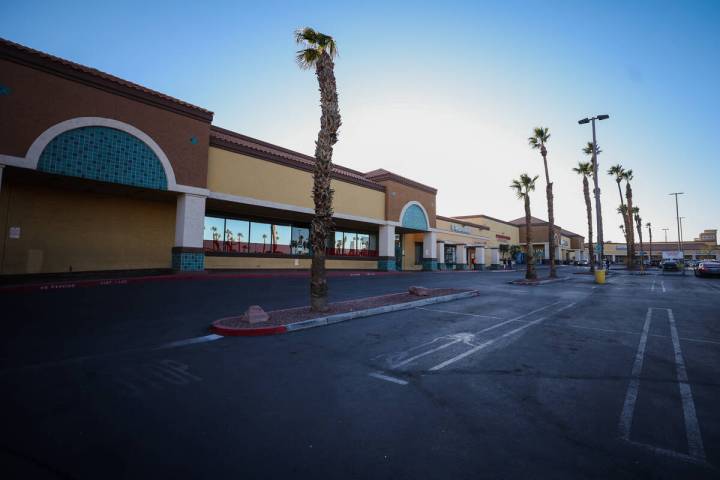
(665, 230)
(596, 190)
(677, 216)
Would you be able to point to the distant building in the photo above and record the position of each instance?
(702, 248)
(568, 245)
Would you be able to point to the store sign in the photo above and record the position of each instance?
(15, 232)
(459, 228)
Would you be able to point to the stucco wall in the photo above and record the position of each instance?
(237, 174)
(39, 100)
(60, 229)
(398, 195)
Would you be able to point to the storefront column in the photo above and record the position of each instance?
(461, 257)
(430, 258)
(187, 254)
(479, 258)
(441, 256)
(546, 252)
(386, 248)
(494, 258)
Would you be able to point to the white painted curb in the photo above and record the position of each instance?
(341, 317)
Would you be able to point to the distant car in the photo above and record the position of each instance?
(582, 263)
(670, 265)
(707, 269)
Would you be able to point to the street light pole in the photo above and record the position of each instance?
(677, 216)
(666, 230)
(596, 190)
(682, 242)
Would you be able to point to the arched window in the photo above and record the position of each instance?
(414, 217)
(104, 154)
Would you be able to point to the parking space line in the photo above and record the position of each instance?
(692, 427)
(662, 284)
(425, 353)
(190, 341)
(492, 341)
(696, 449)
(387, 378)
(632, 392)
(458, 313)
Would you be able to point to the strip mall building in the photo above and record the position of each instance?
(98, 173)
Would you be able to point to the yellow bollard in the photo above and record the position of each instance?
(600, 276)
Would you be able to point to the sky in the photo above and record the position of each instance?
(445, 93)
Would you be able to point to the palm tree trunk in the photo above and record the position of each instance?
(322, 192)
(588, 207)
(551, 216)
(530, 272)
(631, 230)
(622, 202)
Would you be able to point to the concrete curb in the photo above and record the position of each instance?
(337, 318)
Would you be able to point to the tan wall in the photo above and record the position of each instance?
(398, 195)
(238, 174)
(88, 231)
(496, 228)
(272, 263)
(39, 100)
(409, 240)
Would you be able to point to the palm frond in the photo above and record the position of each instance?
(588, 149)
(627, 175)
(314, 40)
(307, 58)
(584, 168)
(539, 137)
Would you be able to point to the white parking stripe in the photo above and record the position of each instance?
(190, 341)
(457, 313)
(492, 341)
(388, 378)
(631, 396)
(692, 428)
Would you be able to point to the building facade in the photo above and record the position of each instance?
(569, 246)
(707, 249)
(98, 173)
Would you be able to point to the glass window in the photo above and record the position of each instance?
(281, 239)
(260, 238)
(363, 244)
(339, 246)
(237, 235)
(300, 242)
(450, 254)
(213, 234)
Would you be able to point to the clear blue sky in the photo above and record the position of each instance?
(443, 92)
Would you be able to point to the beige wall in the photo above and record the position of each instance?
(272, 263)
(87, 231)
(496, 228)
(238, 174)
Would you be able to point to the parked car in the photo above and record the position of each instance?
(670, 265)
(706, 269)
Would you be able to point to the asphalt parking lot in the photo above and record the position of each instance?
(565, 380)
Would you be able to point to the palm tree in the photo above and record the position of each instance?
(594, 150)
(649, 227)
(627, 176)
(318, 51)
(618, 172)
(638, 224)
(585, 169)
(538, 140)
(523, 186)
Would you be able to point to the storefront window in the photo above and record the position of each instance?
(237, 235)
(300, 242)
(450, 254)
(213, 234)
(260, 238)
(281, 239)
(353, 244)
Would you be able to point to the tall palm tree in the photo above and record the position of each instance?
(627, 176)
(538, 140)
(638, 224)
(585, 169)
(618, 172)
(523, 186)
(649, 227)
(318, 51)
(593, 150)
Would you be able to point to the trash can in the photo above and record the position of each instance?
(600, 276)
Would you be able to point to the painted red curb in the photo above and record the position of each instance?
(246, 332)
(70, 284)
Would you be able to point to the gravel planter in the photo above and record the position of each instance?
(301, 318)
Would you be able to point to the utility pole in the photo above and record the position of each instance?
(596, 190)
(677, 216)
(682, 242)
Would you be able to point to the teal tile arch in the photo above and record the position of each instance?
(104, 154)
(414, 217)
